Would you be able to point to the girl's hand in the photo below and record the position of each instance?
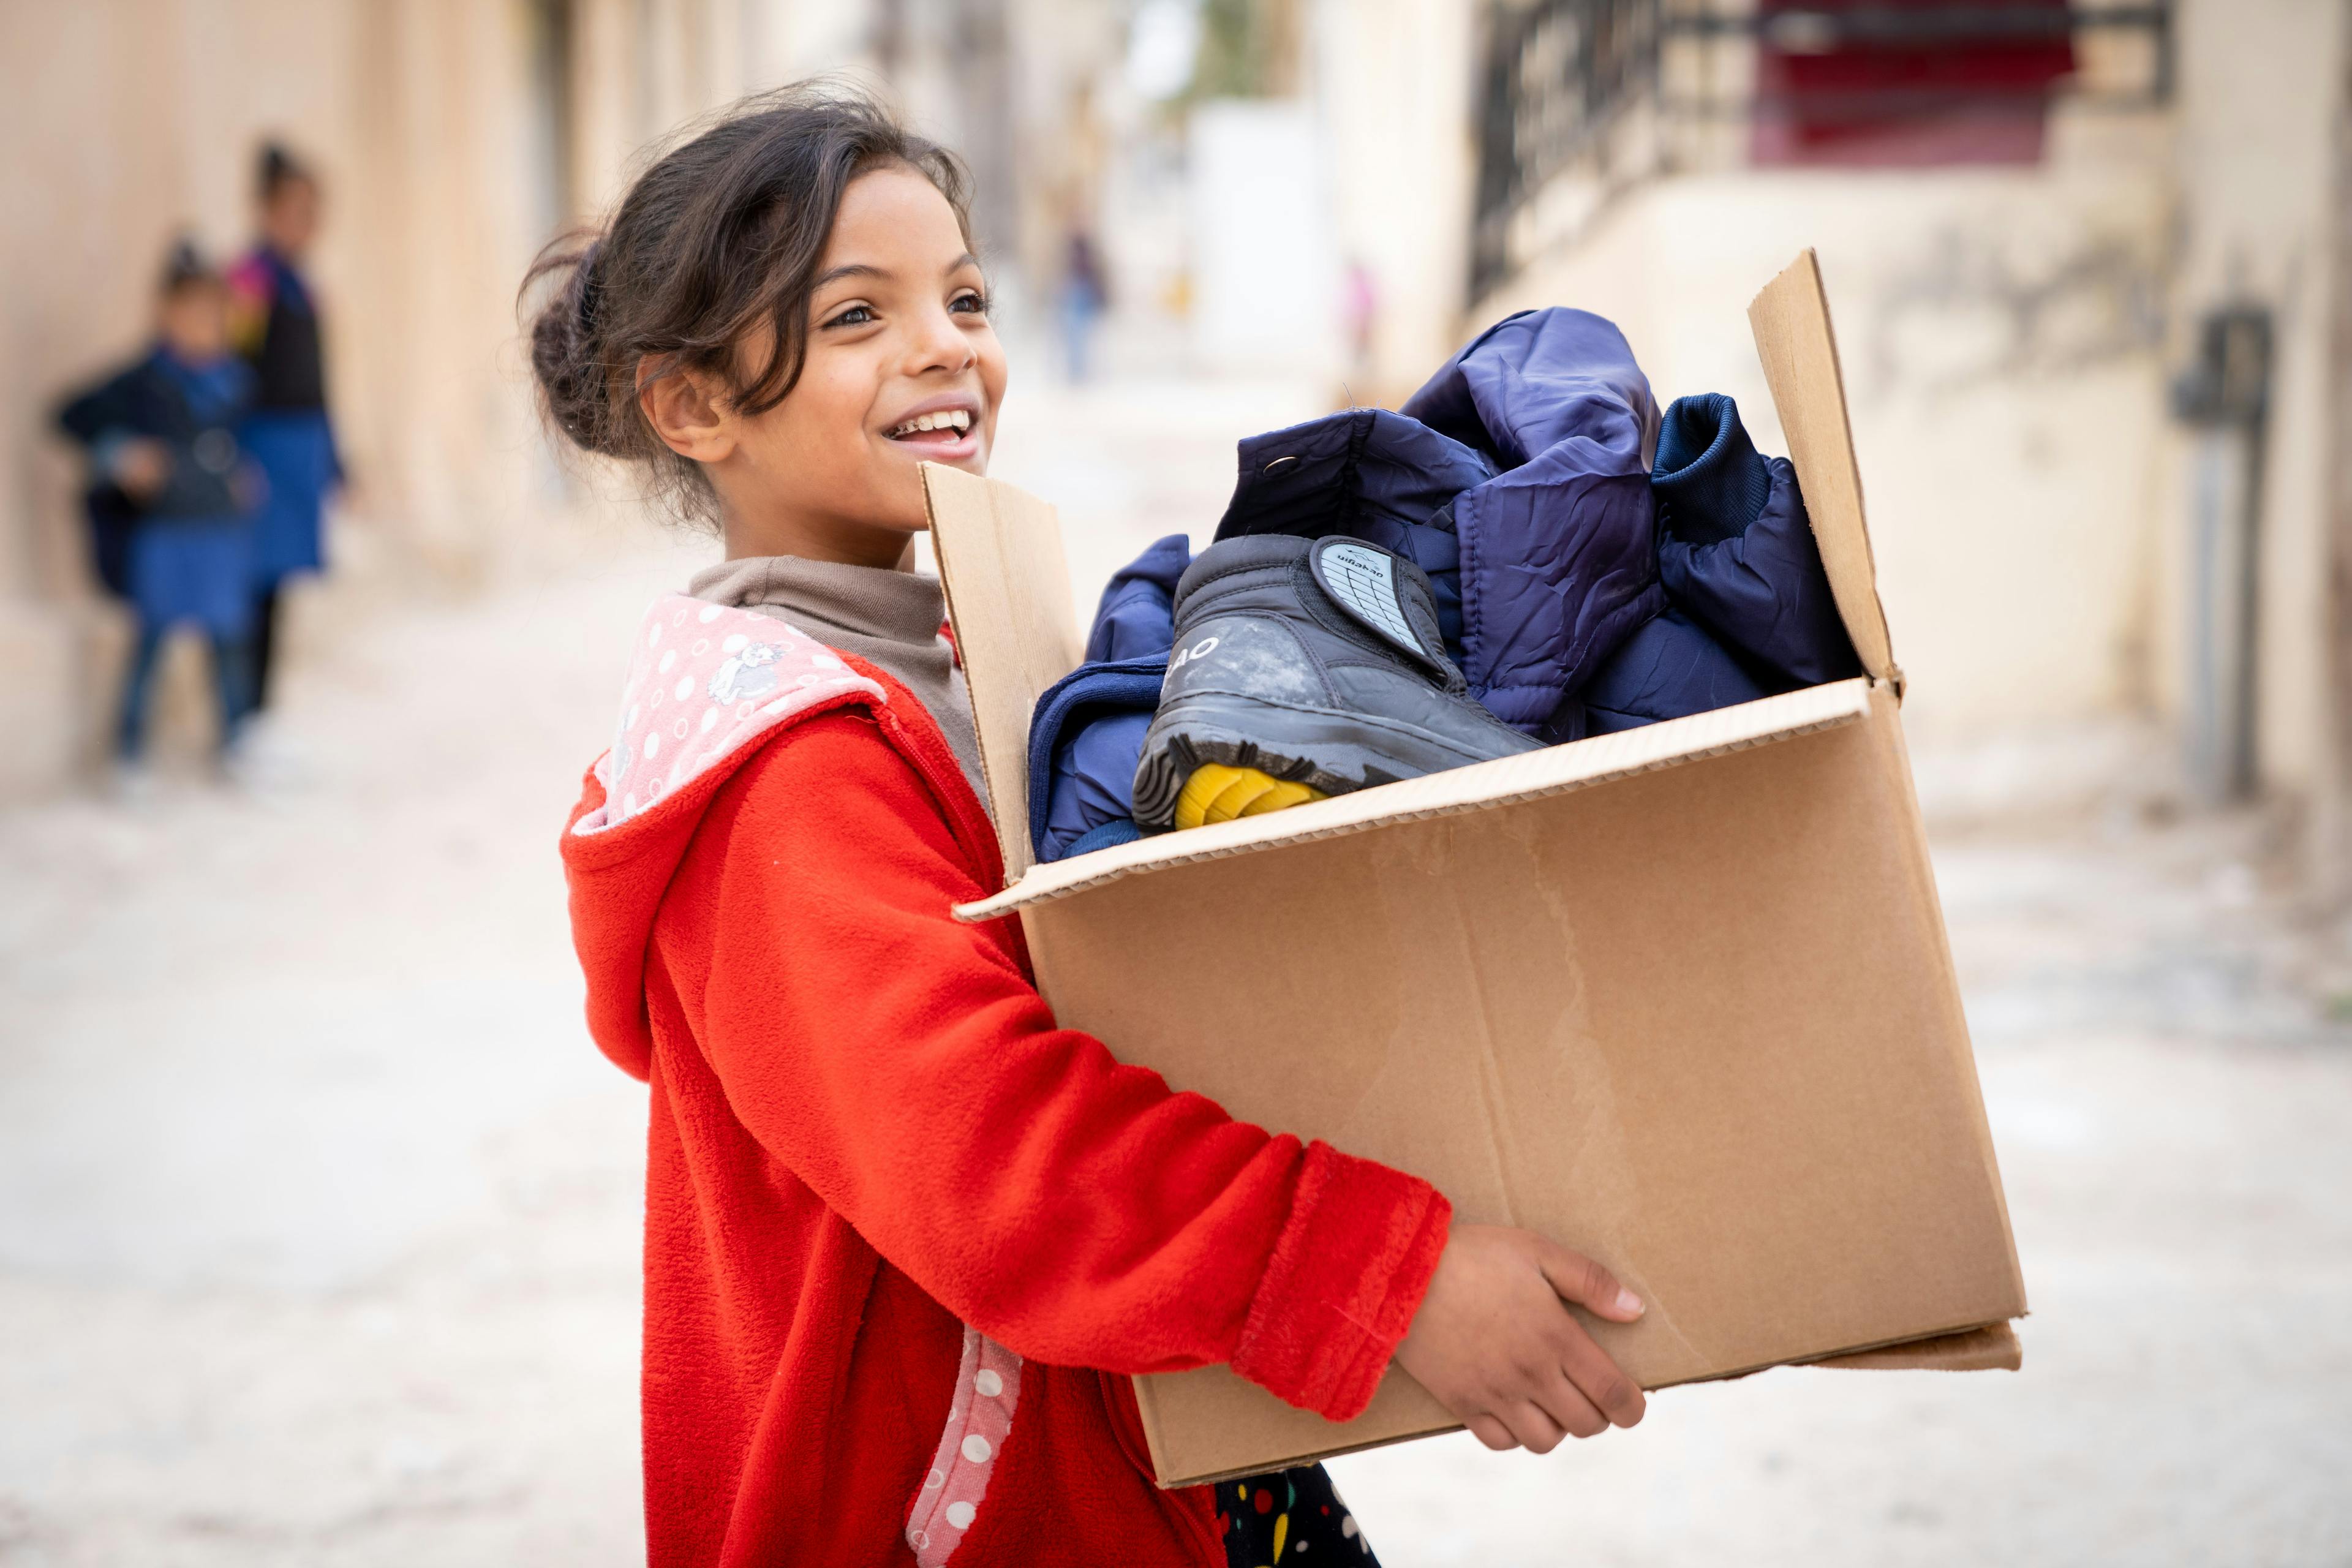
(1495, 1344)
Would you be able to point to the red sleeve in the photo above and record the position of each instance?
(1074, 1209)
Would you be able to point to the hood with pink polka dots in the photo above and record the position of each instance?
(707, 686)
(707, 683)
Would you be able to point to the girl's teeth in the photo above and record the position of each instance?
(954, 419)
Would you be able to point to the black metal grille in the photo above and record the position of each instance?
(1559, 75)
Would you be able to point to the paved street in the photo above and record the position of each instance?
(318, 1212)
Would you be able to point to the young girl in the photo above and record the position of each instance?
(905, 1238)
(170, 498)
(276, 328)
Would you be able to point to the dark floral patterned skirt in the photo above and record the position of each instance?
(1289, 1518)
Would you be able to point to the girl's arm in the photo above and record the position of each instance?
(1074, 1209)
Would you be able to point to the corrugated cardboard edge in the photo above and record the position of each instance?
(1008, 592)
(1991, 1347)
(1790, 320)
(1213, 1476)
(1555, 770)
(1923, 871)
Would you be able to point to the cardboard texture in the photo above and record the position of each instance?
(1679, 997)
(1003, 554)
(1790, 320)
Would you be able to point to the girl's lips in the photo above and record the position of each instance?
(940, 446)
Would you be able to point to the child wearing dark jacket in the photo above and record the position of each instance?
(906, 1239)
(171, 494)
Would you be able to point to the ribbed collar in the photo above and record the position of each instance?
(825, 595)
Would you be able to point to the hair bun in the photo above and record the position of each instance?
(567, 359)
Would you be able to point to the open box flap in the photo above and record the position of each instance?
(1008, 592)
(1793, 338)
(1530, 775)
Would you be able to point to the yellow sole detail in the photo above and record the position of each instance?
(1216, 793)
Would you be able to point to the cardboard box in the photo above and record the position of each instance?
(1679, 997)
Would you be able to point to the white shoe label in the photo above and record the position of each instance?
(1363, 580)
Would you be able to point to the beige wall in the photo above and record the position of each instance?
(128, 123)
(1393, 81)
(125, 121)
(2008, 337)
(2262, 90)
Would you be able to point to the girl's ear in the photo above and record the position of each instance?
(686, 410)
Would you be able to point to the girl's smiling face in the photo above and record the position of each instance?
(902, 368)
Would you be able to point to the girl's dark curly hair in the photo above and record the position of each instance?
(722, 233)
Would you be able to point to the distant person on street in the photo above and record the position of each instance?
(177, 494)
(1085, 296)
(906, 1238)
(276, 322)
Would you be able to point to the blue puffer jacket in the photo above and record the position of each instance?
(1087, 733)
(1579, 591)
(1517, 478)
(1750, 610)
(1735, 550)
(1559, 557)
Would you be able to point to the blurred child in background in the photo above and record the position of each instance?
(171, 495)
(275, 320)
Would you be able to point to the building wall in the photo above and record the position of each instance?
(2008, 337)
(448, 158)
(1393, 81)
(2262, 88)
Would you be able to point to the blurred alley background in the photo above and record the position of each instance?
(318, 1210)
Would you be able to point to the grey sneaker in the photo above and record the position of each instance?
(1316, 663)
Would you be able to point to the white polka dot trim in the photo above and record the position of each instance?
(714, 698)
(979, 1417)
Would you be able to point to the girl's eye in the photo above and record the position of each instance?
(971, 303)
(856, 316)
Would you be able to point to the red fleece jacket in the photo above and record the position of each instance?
(867, 1132)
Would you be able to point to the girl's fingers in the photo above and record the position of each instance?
(1580, 1279)
(1570, 1409)
(1600, 1380)
(1536, 1430)
(1492, 1433)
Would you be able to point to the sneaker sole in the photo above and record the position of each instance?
(1216, 793)
(1328, 752)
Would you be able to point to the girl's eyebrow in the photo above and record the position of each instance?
(854, 270)
(867, 270)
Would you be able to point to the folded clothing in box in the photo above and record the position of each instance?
(1591, 566)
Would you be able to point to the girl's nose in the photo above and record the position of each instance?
(940, 344)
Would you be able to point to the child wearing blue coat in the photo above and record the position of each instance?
(166, 468)
(273, 322)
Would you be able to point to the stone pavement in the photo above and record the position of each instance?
(318, 1212)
